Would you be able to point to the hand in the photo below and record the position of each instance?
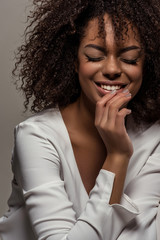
(110, 122)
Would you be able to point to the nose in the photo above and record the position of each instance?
(111, 68)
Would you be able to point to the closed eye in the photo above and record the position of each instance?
(91, 59)
(132, 61)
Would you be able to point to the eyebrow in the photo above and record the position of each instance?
(126, 49)
(96, 47)
(102, 49)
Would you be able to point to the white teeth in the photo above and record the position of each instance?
(110, 88)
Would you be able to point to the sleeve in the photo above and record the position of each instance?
(37, 168)
(144, 190)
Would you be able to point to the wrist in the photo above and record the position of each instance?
(116, 163)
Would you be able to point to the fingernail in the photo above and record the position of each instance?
(128, 95)
(129, 111)
(125, 90)
(113, 92)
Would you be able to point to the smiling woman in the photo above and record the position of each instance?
(87, 165)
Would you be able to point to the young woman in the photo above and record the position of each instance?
(87, 166)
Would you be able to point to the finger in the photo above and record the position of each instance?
(100, 106)
(120, 119)
(116, 100)
(114, 107)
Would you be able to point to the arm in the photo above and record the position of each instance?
(110, 122)
(118, 165)
(144, 188)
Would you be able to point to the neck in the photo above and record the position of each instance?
(79, 118)
(81, 115)
(86, 111)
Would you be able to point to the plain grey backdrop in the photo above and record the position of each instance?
(13, 15)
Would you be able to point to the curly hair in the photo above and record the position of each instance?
(45, 65)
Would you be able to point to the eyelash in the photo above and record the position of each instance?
(133, 62)
(93, 59)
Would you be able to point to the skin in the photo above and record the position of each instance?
(96, 121)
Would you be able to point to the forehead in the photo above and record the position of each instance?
(129, 35)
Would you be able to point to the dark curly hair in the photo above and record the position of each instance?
(45, 63)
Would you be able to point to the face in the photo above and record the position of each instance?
(104, 66)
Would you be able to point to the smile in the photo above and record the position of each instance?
(110, 88)
(104, 86)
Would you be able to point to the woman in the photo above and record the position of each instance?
(87, 166)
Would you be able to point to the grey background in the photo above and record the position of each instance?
(13, 15)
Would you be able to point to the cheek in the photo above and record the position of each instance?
(87, 69)
(135, 75)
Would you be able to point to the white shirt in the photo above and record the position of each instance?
(49, 197)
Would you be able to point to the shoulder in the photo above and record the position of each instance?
(47, 124)
(145, 138)
(50, 118)
(150, 130)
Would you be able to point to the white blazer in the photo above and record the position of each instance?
(49, 201)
